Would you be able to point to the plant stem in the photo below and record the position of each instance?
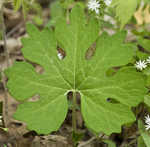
(3, 32)
(74, 113)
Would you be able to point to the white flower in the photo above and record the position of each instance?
(107, 2)
(147, 126)
(94, 5)
(148, 60)
(147, 121)
(60, 56)
(97, 11)
(140, 64)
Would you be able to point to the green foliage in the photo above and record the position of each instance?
(56, 12)
(145, 43)
(38, 20)
(144, 140)
(28, 5)
(146, 1)
(147, 100)
(58, 9)
(75, 73)
(67, 3)
(17, 4)
(141, 55)
(77, 137)
(110, 143)
(124, 10)
(140, 142)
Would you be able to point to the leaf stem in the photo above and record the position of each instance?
(74, 113)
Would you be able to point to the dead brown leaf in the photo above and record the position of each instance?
(147, 14)
(138, 16)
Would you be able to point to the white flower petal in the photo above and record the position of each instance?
(97, 11)
(94, 6)
(147, 121)
(107, 2)
(141, 64)
(148, 60)
(60, 56)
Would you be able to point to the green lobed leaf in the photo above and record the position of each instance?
(41, 115)
(124, 10)
(75, 73)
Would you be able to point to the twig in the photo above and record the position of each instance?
(5, 104)
(84, 144)
(57, 138)
(14, 29)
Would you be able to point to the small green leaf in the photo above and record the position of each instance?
(146, 138)
(110, 143)
(145, 43)
(147, 100)
(124, 10)
(38, 20)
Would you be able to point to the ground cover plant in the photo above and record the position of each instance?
(81, 63)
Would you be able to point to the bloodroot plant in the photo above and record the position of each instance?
(74, 73)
